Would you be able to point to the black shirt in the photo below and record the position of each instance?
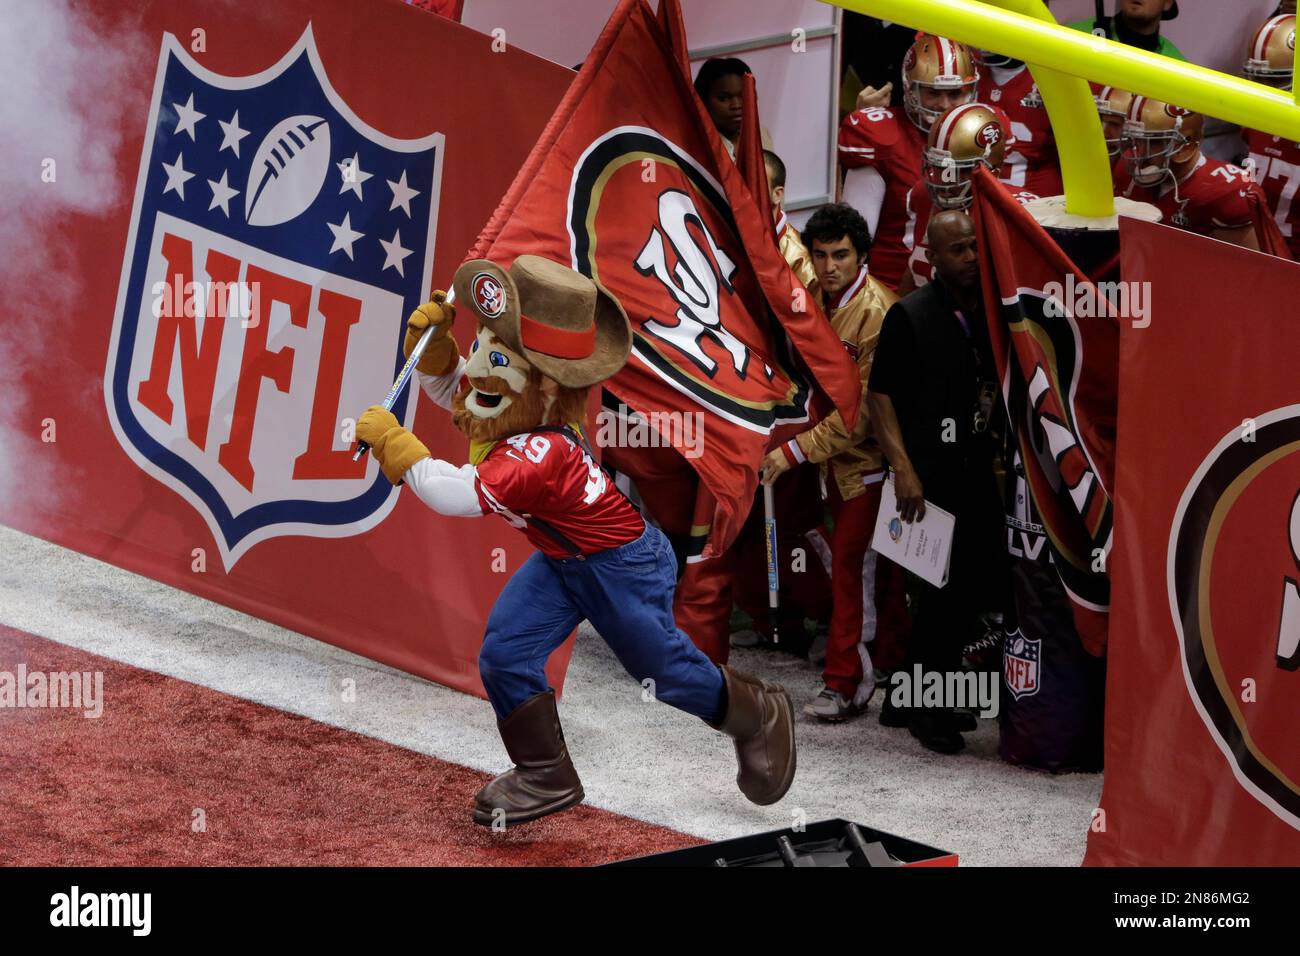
(934, 361)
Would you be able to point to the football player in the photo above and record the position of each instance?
(1112, 106)
(1164, 166)
(880, 149)
(1275, 162)
(1033, 164)
(964, 137)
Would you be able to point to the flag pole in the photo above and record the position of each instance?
(773, 593)
(405, 374)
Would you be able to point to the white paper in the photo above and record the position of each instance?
(923, 547)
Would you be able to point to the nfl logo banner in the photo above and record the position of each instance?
(278, 198)
(276, 243)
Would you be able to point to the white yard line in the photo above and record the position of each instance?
(641, 759)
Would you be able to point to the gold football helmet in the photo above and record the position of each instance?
(963, 137)
(938, 74)
(1113, 106)
(1157, 134)
(1271, 56)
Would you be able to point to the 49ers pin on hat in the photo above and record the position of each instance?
(561, 321)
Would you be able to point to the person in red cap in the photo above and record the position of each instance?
(545, 335)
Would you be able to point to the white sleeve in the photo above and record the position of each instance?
(445, 488)
(442, 388)
(864, 190)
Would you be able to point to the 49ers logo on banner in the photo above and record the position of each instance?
(276, 244)
(1245, 499)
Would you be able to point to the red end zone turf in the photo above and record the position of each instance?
(273, 788)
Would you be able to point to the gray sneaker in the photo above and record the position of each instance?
(832, 707)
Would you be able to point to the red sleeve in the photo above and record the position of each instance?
(505, 479)
(1231, 208)
(866, 136)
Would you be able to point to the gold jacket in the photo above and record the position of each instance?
(852, 459)
(796, 254)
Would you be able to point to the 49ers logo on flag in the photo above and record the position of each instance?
(1244, 499)
(276, 244)
(698, 336)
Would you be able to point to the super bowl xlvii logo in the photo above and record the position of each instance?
(276, 245)
(1021, 660)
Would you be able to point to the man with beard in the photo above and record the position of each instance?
(546, 335)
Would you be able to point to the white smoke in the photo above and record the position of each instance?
(65, 105)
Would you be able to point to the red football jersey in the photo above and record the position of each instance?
(1276, 164)
(1031, 162)
(548, 475)
(891, 144)
(1215, 195)
(920, 207)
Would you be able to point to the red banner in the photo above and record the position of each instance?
(631, 185)
(1055, 340)
(1202, 765)
(279, 185)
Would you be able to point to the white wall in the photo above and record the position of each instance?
(797, 92)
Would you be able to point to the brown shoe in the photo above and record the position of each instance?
(543, 779)
(760, 718)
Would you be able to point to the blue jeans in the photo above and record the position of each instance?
(627, 594)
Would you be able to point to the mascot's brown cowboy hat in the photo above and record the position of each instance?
(565, 324)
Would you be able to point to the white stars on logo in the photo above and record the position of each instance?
(344, 236)
(231, 134)
(176, 177)
(394, 253)
(402, 194)
(187, 117)
(222, 193)
(353, 176)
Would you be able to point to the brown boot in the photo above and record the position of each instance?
(760, 718)
(543, 779)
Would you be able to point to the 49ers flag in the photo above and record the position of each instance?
(631, 185)
(1056, 343)
(1202, 767)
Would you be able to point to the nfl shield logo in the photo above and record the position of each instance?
(277, 244)
(1020, 659)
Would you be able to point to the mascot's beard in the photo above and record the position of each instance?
(525, 411)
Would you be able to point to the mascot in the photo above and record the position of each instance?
(545, 335)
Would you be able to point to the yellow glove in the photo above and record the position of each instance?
(393, 446)
(441, 355)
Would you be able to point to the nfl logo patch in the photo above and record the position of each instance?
(277, 244)
(1020, 664)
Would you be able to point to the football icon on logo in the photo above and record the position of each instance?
(288, 170)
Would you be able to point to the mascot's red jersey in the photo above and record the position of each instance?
(548, 477)
(889, 143)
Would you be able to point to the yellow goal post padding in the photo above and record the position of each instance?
(1062, 60)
